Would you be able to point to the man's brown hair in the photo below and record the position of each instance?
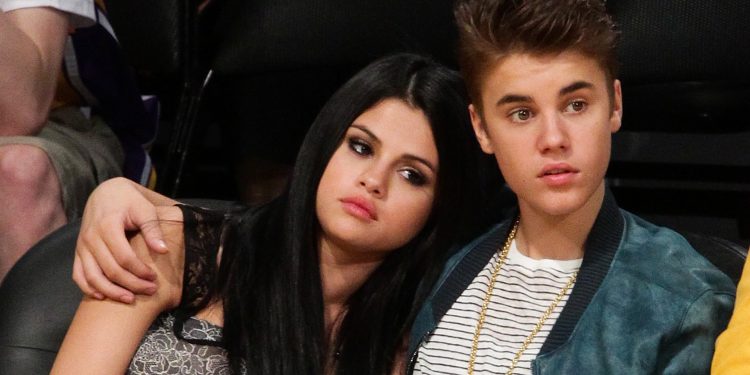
(490, 30)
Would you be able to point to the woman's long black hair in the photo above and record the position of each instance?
(269, 279)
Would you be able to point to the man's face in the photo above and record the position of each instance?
(548, 120)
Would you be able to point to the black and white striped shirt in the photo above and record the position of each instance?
(524, 289)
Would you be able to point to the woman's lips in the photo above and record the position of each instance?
(360, 208)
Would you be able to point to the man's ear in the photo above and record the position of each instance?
(480, 130)
(615, 118)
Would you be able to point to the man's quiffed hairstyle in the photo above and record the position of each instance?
(490, 30)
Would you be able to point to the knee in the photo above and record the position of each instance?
(25, 167)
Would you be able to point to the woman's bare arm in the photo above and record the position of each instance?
(105, 334)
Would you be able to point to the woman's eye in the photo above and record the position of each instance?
(360, 147)
(576, 106)
(413, 177)
(520, 115)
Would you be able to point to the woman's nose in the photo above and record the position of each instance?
(373, 180)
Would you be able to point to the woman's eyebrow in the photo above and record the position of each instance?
(367, 131)
(419, 160)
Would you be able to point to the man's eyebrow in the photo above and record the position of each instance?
(512, 98)
(575, 86)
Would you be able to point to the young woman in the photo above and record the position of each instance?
(328, 277)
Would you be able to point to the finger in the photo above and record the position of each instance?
(144, 217)
(98, 281)
(154, 237)
(80, 280)
(111, 241)
(117, 274)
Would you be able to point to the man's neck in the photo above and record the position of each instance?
(562, 237)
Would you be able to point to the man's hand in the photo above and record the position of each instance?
(105, 264)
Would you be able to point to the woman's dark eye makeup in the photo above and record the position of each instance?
(359, 146)
(413, 176)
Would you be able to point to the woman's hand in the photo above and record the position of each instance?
(105, 264)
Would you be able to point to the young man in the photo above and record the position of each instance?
(572, 284)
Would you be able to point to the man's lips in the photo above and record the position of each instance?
(557, 174)
(557, 168)
(360, 207)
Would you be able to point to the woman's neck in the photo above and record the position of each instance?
(562, 237)
(341, 275)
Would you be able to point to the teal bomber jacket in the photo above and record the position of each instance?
(645, 302)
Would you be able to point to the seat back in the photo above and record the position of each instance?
(37, 302)
(726, 255)
(275, 63)
(680, 158)
(162, 46)
(156, 44)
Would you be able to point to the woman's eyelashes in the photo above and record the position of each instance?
(359, 146)
(413, 176)
(362, 148)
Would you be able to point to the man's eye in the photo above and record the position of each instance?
(576, 106)
(520, 115)
(360, 147)
(413, 177)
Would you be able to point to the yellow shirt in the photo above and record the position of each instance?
(732, 354)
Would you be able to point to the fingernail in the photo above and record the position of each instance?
(162, 244)
(150, 290)
(126, 298)
(98, 296)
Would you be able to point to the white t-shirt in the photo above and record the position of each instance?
(524, 289)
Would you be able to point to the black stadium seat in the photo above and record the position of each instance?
(681, 158)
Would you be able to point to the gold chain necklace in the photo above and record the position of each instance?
(486, 303)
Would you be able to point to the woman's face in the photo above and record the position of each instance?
(378, 187)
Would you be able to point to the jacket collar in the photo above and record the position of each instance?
(599, 250)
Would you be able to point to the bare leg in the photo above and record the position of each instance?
(30, 201)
